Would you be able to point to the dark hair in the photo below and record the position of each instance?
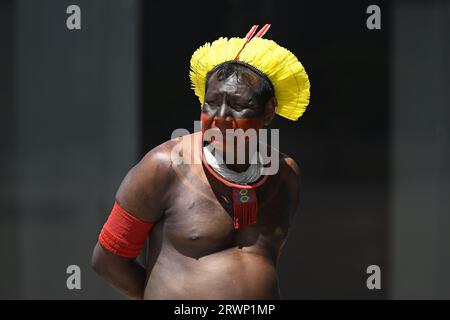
(263, 92)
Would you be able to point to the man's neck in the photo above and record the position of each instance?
(238, 167)
(241, 173)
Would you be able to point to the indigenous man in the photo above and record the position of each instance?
(215, 228)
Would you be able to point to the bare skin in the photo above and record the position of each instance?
(194, 252)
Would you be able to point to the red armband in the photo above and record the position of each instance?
(123, 234)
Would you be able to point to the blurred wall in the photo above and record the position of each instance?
(9, 223)
(420, 150)
(74, 136)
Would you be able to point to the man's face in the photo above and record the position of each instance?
(233, 104)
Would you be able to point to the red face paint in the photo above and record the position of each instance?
(221, 124)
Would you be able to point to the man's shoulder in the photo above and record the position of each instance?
(289, 173)
(289, 177)
(142, 191)
(170, 155)
(290, 165)
(167, 154)
(159, 156)
(146, 185)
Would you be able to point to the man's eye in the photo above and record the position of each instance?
(241, 107)
(212, 103)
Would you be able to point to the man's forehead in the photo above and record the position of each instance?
(234, 83)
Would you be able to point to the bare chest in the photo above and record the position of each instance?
(199, 219)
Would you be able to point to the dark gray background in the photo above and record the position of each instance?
(79, 108)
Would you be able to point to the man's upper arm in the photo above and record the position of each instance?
(144, 190)
(293, 179)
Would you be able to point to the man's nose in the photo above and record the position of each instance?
(223, 119)
(224, 112)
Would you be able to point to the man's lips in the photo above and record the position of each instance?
(215, 134)
(222, 126)
(218, 129)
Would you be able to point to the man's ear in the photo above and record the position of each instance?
(271, 106)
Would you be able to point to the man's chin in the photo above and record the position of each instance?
(221, 148)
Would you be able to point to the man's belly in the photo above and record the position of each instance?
(229, 274)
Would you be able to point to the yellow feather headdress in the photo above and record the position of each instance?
(283, 69)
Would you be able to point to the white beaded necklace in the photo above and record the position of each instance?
(252, 174)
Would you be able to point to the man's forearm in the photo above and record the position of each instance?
(125, 275)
